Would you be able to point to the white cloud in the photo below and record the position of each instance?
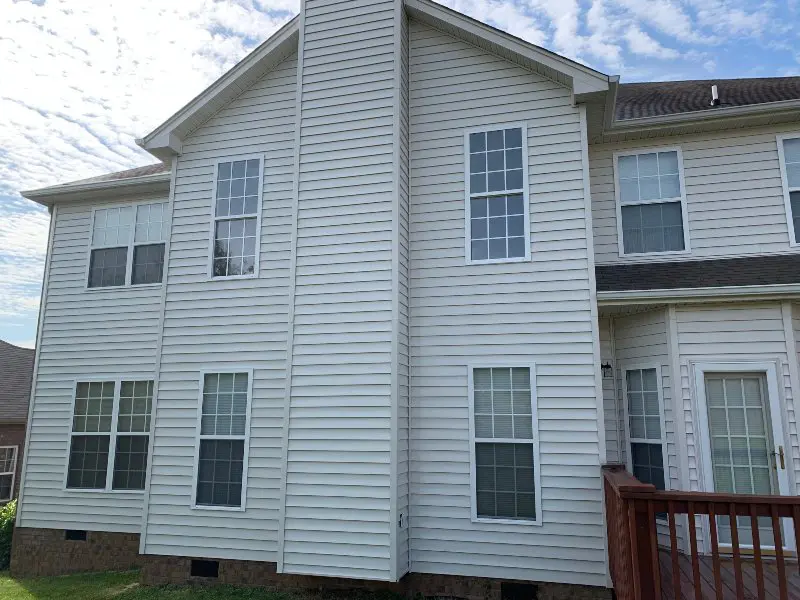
(642, 44)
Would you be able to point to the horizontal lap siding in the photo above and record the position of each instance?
(734, 332)
(338, 474)
(612, 409)
(733, 191)
(85, 333)
(534, 311)
(225, 324)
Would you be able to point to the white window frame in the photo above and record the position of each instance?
(787, 201)
(13, 472)
(687, 248)
(223, 370)
(113, 434)
(165, 227)
(652, 442)
(469, 195)
(537, 465)
(215, 218)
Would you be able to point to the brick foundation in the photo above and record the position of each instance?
(39, 552)
(162, 570)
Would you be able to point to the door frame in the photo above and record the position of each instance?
(777, 416)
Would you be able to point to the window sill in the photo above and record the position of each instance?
(523, 522)
(111, 288)
(218, 508)
(493, 261)
(642, 254)
(99, 491)
(233, 277)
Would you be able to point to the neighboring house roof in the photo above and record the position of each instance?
(16, 371)
(153, 169)
(724, 272)
(655, 99)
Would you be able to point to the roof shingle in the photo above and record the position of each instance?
(653, 99)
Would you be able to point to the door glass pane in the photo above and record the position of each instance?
(739, 429)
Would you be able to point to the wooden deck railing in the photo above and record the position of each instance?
(633, 543)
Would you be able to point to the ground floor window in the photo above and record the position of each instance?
(110, 435)
(504, 444)
(644, 415)
(8, 469)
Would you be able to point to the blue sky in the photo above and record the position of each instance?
(80, 80)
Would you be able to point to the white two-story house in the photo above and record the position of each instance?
(398, 287)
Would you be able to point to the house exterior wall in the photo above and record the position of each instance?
(752, 332)
(340, 516)
(733, 189)
(84, 333)
(224, 324)
(529, 311)
(612, 408)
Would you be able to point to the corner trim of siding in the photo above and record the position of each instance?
(292, 283)
(794, 379)
(157, 366)
(39, 326)
(598, 376)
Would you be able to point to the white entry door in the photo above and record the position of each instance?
(745, 442)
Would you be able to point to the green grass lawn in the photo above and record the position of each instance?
(125, 586)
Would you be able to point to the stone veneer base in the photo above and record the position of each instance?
(45, 552)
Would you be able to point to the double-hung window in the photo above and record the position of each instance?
(497, 221)
(505, 447)
(646, 436)
(127, 245)
(110, 428)
(223, 440)
(651, 202)
(235, 226)
(789, 153)
(8, 470)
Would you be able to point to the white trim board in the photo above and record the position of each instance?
(776, 407)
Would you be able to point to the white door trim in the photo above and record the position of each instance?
(770, 370)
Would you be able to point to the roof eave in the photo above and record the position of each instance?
(624, 297)
(148, 184)
(166, 140)
(712, 114)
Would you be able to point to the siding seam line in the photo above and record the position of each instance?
(292, 284)
(157, 366)
(35, 376)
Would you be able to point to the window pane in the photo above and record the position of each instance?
(130, 462)
(502, 403)
(504, 483)
(112, 226)
(667, 163)
(224, 404)
(497, 153)
(219, 473)
(794, 198)
(505, 226)
(648, 464)
(94, 403)
(651, 176)
(148, 264)
(135, 406)
(791, 150)
(234, 247)
(477, 142)
(107, 267)
(5, 487)
(8, 460)
(652, 228)
(235, 181)
(88, 462)
(149, 222)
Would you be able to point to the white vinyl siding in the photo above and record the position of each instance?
(339, 504)
(536, 311)
(108, 332)
(734, 195)
(223, 324)
(789, 153)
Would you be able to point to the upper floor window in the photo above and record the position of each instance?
(236, 223)
(497, 219)
(505, 444)
(223, 440)
(110, 426)
(651, 202)
(789, 153)
(127, 245)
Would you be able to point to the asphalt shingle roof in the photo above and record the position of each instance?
(652, 99)
(153, 169)
(16, 370)
(725, 272)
